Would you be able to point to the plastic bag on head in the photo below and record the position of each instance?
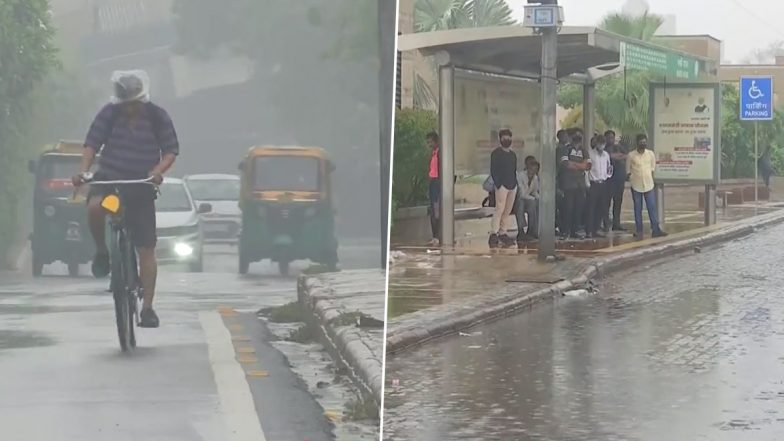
(135, 82)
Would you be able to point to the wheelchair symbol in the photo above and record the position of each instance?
(754, 91)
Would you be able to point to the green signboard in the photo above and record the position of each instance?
(660, 62)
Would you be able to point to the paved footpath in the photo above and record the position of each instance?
(334, 303)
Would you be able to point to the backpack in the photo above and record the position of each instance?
(150, 112)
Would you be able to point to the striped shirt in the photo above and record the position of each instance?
(131, 148)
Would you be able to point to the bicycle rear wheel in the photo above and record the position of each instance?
(122, 309)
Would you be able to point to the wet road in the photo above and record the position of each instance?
(689, 349)
(62, 376)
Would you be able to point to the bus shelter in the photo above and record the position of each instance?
(513, 54)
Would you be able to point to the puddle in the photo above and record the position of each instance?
(21, 340)
(332, 391)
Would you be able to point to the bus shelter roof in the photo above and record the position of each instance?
(585, 54)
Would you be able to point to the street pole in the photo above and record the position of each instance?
(387, 12)
(446, 81)
(547, 155)
(756, 165)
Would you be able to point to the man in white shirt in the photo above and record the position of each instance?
(642, 163)
(598, 192)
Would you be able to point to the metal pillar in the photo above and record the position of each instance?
(661, 218)
(446, 76)
(589, 104)
(710, 205)
(547, 136)
(387, 13)
(756, 163)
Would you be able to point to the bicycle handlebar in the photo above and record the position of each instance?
(87, 179)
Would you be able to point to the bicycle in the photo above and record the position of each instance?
(125, 284)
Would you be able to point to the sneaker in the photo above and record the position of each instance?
(101, 265)
(433, 243)
(149, 319)
(493, 241)
(660, 233)
(618, 228)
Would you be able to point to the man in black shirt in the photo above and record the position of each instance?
(503, 169)
(617, 183)
(573, 164)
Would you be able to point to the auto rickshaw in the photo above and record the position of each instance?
(60, 230)
(286, 204)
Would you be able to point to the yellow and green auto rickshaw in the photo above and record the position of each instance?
(60, 231)
(286, 204)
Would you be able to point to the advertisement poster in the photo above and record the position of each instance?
(685, 136)
(485, 104)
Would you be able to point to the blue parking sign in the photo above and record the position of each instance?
(756, 98)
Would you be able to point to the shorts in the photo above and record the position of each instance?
(139, 205)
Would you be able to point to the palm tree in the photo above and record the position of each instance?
(622, 100)
(439, 15)
(641, 27)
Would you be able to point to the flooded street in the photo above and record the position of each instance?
(689, 349)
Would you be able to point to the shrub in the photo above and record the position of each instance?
(411, 156)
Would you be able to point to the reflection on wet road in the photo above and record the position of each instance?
(691, 349)
(63, 377)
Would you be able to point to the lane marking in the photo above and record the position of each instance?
(258, 374)
(236, 400)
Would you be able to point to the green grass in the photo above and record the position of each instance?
(358, 409)
(288, 313)
(347, 318)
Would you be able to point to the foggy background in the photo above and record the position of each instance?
(239, 73)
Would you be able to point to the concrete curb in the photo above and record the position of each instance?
(440, 322)
(344, 343)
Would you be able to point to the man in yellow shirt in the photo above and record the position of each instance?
(642, 163)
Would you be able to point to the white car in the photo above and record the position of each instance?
(179, 226)
(223, 223)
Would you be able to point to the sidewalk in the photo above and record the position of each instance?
(434, 293)
(334, 304)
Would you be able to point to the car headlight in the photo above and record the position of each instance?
(49, 211)
(183, 249)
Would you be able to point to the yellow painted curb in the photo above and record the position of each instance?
(247, 359)
(246, 350)
(258, 374)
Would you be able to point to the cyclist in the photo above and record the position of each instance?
(136, 140)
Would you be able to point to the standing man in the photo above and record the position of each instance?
(619, 152)
(561, 149)
(598, 194)
(434, 188)
(503, 169)
(642, 163)
(574, 163)
(766, 167)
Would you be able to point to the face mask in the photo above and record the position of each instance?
(505, 143)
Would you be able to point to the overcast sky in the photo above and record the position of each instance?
(742, 25)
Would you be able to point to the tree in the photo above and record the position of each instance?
(27, 55)
(440, 15)
(766, 55)
(621, 100)
(737, 138)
